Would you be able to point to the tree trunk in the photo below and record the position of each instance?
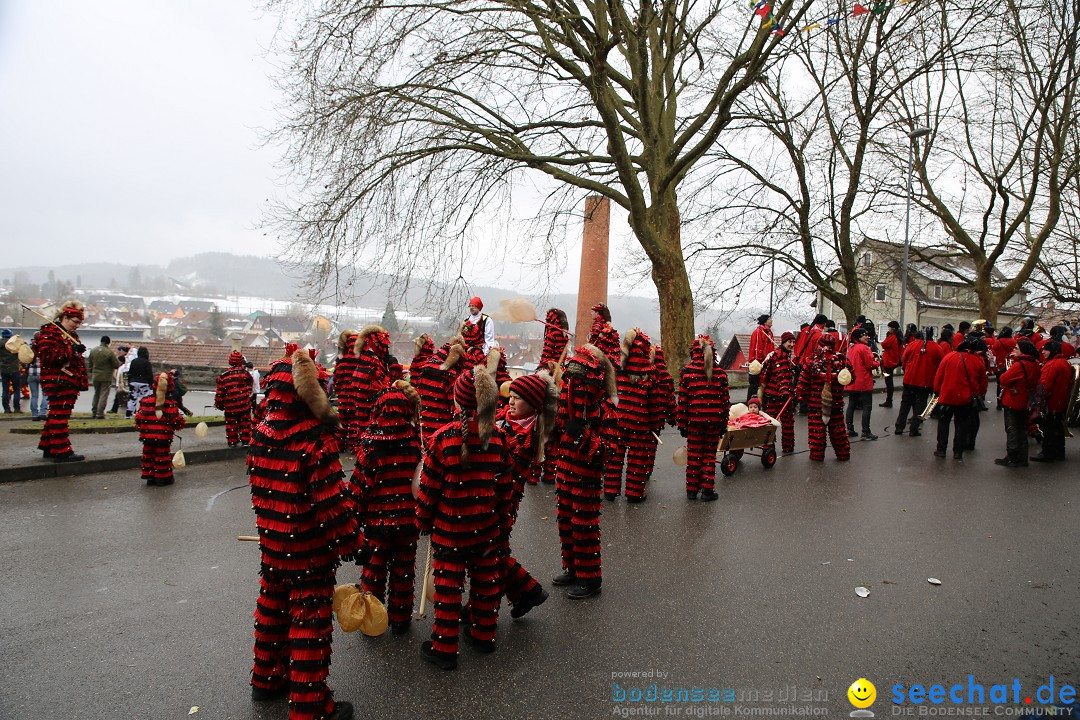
(673, 288)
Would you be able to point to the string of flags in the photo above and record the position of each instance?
(764, 10)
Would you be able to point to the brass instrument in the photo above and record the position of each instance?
(930, 405)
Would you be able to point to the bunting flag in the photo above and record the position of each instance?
(764, 10)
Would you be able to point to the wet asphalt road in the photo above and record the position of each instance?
(121, 601)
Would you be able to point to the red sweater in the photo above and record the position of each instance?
(863, 364)
(890, 351)
(1056, 379)
(806, 344)
(1018, 381)
(761, 344)
(960, 377)
(920, 367)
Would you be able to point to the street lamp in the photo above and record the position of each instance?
(912, 137)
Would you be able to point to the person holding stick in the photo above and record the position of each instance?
(63, 377)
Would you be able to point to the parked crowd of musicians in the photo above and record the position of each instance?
(447, 447)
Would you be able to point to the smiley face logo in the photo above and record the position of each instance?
(862, 693)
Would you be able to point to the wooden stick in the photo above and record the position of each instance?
(66, 334)
(553, 325)
(424, 590)
(658, 438)
(248, 538)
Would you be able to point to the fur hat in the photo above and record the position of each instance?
(345, 342)
(162, 387)
(392, 414)
(236, 358)
(71, 309)
(786, 336)
(476, 302)
(425, 347)
(410, 394)
(377, 335)
(476, 393)
(708, 354)
(306, 382)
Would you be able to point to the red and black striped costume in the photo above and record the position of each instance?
(156, 432)
(635, 419)
(307, 523)
(588, 383)
(517, 583)
(556, 337)
(473, 333)
(372, 374)
(463, 503)
(233, 397)
(665, 389)
(820, 389)
(434, 381)
(344, 371)
(63, 377)
(382, 484)
(425, 348)
(778, 391)
(702, 414)
(605, 337)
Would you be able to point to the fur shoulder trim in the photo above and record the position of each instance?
(452, 357)
(306, 381)
(410, 394)
(611, 386)
(487, 399)
(160, 390)
(493, 360)
(628, 339)
(343, 340)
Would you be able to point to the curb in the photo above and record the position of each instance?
(111, 430)
(47, 470)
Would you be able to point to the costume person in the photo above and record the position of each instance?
(373, 373)
(556, 336)
(382, 484)
(463, 500)
(233, 397)
(704, 404)
(636, 416)
(307, 523)
(603, 335)
(434, 381)
(778, 390)
(478, 330)
(63, 377)
(586, 401)
(821, 387)
(157, 419)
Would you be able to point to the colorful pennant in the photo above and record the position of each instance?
(764, 10)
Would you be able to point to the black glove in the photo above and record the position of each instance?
(682, 431)
(362, 555)
(671, 422)
(575, 428)
(80, 348)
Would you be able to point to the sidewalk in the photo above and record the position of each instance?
(20, 460)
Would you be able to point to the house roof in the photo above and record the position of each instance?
(944, 268)
(204, 354)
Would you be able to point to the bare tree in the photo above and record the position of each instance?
(996, 173)
(413, 119)
(809, 176)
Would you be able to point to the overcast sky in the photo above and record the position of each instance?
(130, 131)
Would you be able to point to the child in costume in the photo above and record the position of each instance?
(157, 419)
(702, 415)
(635, 418)
(233, 397)
(778, 389)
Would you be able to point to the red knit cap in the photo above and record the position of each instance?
(532, 389)
(236, 358)
(465, 391)
(785, 337)
(828, 340)
(477, 302)
(72, 309)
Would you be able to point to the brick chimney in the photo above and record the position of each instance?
(593, 276)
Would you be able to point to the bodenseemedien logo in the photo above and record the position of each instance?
(862, 694)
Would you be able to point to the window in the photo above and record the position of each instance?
(867, 259)
(879, 293)
(937, 292)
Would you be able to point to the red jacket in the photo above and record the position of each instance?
(862, 363)
(957, 338)
(761, 344)
(1002, 348)
(1056, 379)
(806, 345)
(920, 367)
(1018, 381)
(890, 351)
(960, 377)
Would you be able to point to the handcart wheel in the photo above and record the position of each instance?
(738, 454)
(728, 464)
(768, 456)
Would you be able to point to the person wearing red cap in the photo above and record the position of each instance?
(233, 397)
(63, 377)
(586, 403)
(603, 335)
(778, 389)
(478, 330)
(820, 387)
(157, 420)
(307, 525)
(702, 415)
(388, 454)
(463, 500)
(635, 417)
(526, 423)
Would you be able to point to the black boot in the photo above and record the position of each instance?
(527, 603)
(566, 578)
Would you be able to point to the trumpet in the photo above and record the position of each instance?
(930, 405)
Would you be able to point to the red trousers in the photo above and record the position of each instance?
(54, 436)
(577, 510)
(293, 631)
(450, 569)
(238, 428)
(701, 444)
(815, 426)
(157, 464)
(393, 560)
(640, 454)
(787, 420)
